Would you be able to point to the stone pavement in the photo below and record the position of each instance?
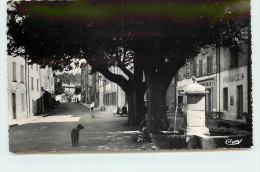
(104, 133)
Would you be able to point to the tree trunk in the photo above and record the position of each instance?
(140, 107)
(136, 108)
(157, 118)
(131, 110)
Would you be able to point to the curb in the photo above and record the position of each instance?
(39, 116)
(83, 105)
(13, 125)
(49, 114)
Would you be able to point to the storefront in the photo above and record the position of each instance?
(234, 93)
(209, 83)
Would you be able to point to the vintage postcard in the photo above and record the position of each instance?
(133, 76)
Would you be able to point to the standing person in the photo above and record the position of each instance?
(92, 105)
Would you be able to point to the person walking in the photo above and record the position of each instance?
(92, 105)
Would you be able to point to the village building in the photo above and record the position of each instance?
(17, 89)
(34, 89)
(27, 89)
(224, 73)
(234, 94)
(106, 94)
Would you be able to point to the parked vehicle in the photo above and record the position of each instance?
(55, 103)
(122, 110)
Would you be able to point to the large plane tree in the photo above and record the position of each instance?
(157, 37)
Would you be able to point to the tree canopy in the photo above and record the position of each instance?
(156, 36)
(55, 32)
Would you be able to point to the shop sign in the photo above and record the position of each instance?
(233, 78)
(207, 83)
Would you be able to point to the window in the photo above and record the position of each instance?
(45, 81)
(37, 84)
(200, 68)
(23, 102)
(105, 99)
(14, 71)
(233, 57)
(22, 73)
(209, 65)
(31, 83)
(31, 66)
(225, 98)
(113, 98)
(179, 77)
(108, 99)
(37, 67)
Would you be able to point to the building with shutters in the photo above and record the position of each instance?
(224, 73)
(26, 89)
(106, 94)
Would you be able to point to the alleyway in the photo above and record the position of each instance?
(105, 132)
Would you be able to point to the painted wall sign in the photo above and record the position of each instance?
(206, 83)
(233, 78)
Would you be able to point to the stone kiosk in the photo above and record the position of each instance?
(194, 109)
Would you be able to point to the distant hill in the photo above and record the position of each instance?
(67, 78)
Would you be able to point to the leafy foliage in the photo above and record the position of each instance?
(69, 78)
(156, 37)
(53, 35)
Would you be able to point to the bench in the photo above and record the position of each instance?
(229, 123)
(214, 115)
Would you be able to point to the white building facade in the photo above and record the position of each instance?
(17, 89)
(233, 81)
(111, 95)
(224, 73)
(34, 89)
(106, 94)
(25, 95)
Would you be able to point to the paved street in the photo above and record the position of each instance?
(104, 133)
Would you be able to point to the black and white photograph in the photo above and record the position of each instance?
(129, 85)
(129, 76)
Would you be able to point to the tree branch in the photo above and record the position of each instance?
(123, 68)
(118, 79)
(126, 71)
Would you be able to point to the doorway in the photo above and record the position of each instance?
(239, 101)
(14, 105)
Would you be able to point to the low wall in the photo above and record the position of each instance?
(218, 138)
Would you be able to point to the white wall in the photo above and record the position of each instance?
(110, 87)
(237, 77)
(35, 93)
(18, 88)
(47, 79)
